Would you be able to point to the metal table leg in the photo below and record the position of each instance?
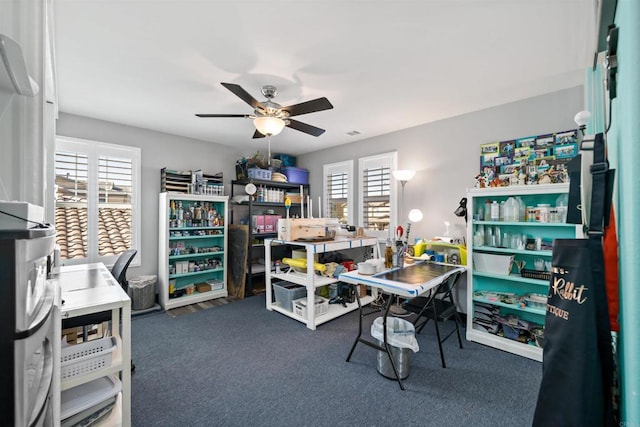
(386, 348)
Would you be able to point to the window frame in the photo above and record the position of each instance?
(389, 160)
(93, 150)
(335, 168)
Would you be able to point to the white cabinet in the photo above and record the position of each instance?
(312, 281)
(490, 280)
(192, 259)
(88, 289)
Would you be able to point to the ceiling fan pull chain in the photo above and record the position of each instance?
(269, 148)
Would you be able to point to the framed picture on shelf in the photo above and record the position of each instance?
(568, 137)
(490, 148)
(500, 161)
(526, 142)
(507, 148)
(565, 151)
(545, 141)
(522, 152)
(488, 159)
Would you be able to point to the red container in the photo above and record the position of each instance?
(349, 265)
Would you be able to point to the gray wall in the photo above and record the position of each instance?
(446, 153)
(158, 150)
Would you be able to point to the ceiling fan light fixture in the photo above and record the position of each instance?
(269, 126)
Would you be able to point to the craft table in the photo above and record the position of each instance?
(410, 281)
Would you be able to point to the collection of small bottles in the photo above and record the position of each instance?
(514, 209)
(268, 194)
(394, 253)
(194, 215)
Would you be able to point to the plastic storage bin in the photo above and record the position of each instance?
(286, 159)
(286, 292)
(263, 174)
(321, 306)
(81, 359)
(492, 263)
(296, 175)
(89, 397)
(142, 291)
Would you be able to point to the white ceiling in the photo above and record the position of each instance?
(385, 65)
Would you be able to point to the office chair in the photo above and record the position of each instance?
(440, 307)
(119, 269)
(119, 272)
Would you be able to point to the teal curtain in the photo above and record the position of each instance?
(594, 99)
(623, 141)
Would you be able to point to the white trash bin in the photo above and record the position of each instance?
(401, 337)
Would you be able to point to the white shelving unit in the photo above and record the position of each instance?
(196, 241)
(513, 282)
(312, 281)
(86, 298)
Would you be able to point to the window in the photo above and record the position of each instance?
(338, 191)
(375, 213)
(97, 199)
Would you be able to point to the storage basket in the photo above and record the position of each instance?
(286, 292)
(492, 263)
(535, 274)
(263, 174)
(81, 359)
(321, 306)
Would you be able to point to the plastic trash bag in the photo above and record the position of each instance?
(400, 333)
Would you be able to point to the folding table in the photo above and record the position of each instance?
(409, 282)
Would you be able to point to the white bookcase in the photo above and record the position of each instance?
(479, 283)
(192, 248)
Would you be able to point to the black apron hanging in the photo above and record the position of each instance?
(577, 370)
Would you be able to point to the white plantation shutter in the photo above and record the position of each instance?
(97, 195)
(375, 213)
(338, 191)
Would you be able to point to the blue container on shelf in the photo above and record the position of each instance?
(286, 159)
(296, 175)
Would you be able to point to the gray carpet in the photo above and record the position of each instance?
(238, 364)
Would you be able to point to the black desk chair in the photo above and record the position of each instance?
(119, 272)
(440, 307)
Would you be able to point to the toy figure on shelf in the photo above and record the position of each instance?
(481, 181)
(496, 182)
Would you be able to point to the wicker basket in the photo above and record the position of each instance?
(535, 274)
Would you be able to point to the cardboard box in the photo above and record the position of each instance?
(257, 222)
(203, 287)
(271, 223)
(305, 228)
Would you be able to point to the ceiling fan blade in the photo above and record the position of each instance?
(303, 127)
(246, 116)
(312, 106)
(257, 134)
(243, 94)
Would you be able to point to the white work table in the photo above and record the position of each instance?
(87, 289)
(311, 280)
(411, 281)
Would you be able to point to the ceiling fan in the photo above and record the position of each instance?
(270, 118)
